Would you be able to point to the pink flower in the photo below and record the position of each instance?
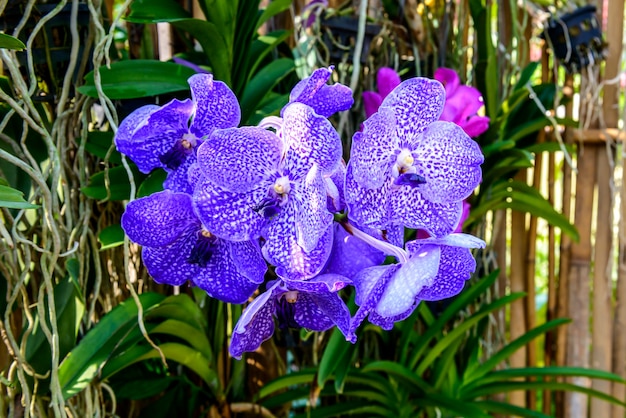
(386, 80)
(462, 103)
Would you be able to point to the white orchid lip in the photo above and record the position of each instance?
(189, 140)
(291, 296)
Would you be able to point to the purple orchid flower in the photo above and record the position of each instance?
(154, 136)
(312, 11)
(312, 304)
(325, 99)
(407, 167)
(258, 182)
(462, 103)
(430, 269)
(177, 248)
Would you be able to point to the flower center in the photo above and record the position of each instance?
(285, 310)
(203, 249)
(405, 172)
(179, 152)
(282, 186)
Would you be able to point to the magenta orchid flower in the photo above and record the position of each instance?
(462, 103)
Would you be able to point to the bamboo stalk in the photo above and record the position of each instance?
(550, 340)
(518, 283)
(564, 260)
(602, 336)
(578, 338)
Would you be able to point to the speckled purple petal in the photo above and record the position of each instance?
(227, 214)
(238, 159)
(388, 322)
(158, 219)
(370, 285)
(222, 278)
(320, 311)
(456, 266)
(450, 162)
(350, 255)
(306, 89)
(255, 325)
(168, 264)
(374, 150)
(367, 207)
(131, 123)
(451, 240)
(312, 216)
(412, 210)
(335, 201)
(156, 136)
(387, 79)
(331, 99)
(322, 283)
(216, 105)
(178, 180)
(417, 102)
(311, 139)
(282, 249)
(408, 281)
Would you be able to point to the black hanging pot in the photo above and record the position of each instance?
(340, 33)
(576, 38)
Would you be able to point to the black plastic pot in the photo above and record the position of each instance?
(340, 37)
(576, 38)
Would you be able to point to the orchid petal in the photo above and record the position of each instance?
(312, 217)
(370, 285)
(282, 249)
(239, 159)
(371, 102)
(449, 78)
(320, 311)
(216, 105)
(373, 150)
(160, 132)
(221, 277)
(475, 125)
(367, 207)
(455, 268)
(387, 79)
(417, 102)
(168, 264)
(158, 219)
(350, 254)
(311, 139)
(228, 215)
(412, 210)
(178, 180)
(450, 162)
(409, 280)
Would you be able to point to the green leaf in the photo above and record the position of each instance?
(14, 199)
(11, 42)
(132, 79)
(180, 353)
(275, 7)
(336, 355)
(474, 374)
(101, 145)
(263, 45)
(153, 11)
(82, 364)
(110, 237)
(152, 184)
(508, 409)
(188, 333)
(118, 184)
(550, 371)
(263, 83)
(285, 381)
(399, 370)
(526, 74)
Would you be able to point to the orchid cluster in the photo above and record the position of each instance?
(272, 214)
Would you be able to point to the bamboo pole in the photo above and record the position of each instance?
(578, 337)
(602, 336)
(518, 283)
(562, 305)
